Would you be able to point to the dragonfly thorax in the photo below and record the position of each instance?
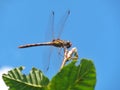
(61, 43)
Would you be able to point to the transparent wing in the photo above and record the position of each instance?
(62, 23)
(49, 36)
(47, 58)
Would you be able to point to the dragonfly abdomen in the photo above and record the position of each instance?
(37, 44)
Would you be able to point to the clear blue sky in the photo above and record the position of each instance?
(93, 27)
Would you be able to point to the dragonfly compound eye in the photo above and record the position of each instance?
(68, 44)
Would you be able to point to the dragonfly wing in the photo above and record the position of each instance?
(48, 51)
(62, 23)
(49, 34)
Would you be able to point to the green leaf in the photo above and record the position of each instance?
(18, 81)
(72, 77)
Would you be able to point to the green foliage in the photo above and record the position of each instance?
(71, 77)
(18, 81)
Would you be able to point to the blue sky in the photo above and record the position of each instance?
(93, 27)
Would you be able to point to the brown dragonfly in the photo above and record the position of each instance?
(55, 42)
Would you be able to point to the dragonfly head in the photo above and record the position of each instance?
(68, 44)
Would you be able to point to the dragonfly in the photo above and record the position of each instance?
(58, 43)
